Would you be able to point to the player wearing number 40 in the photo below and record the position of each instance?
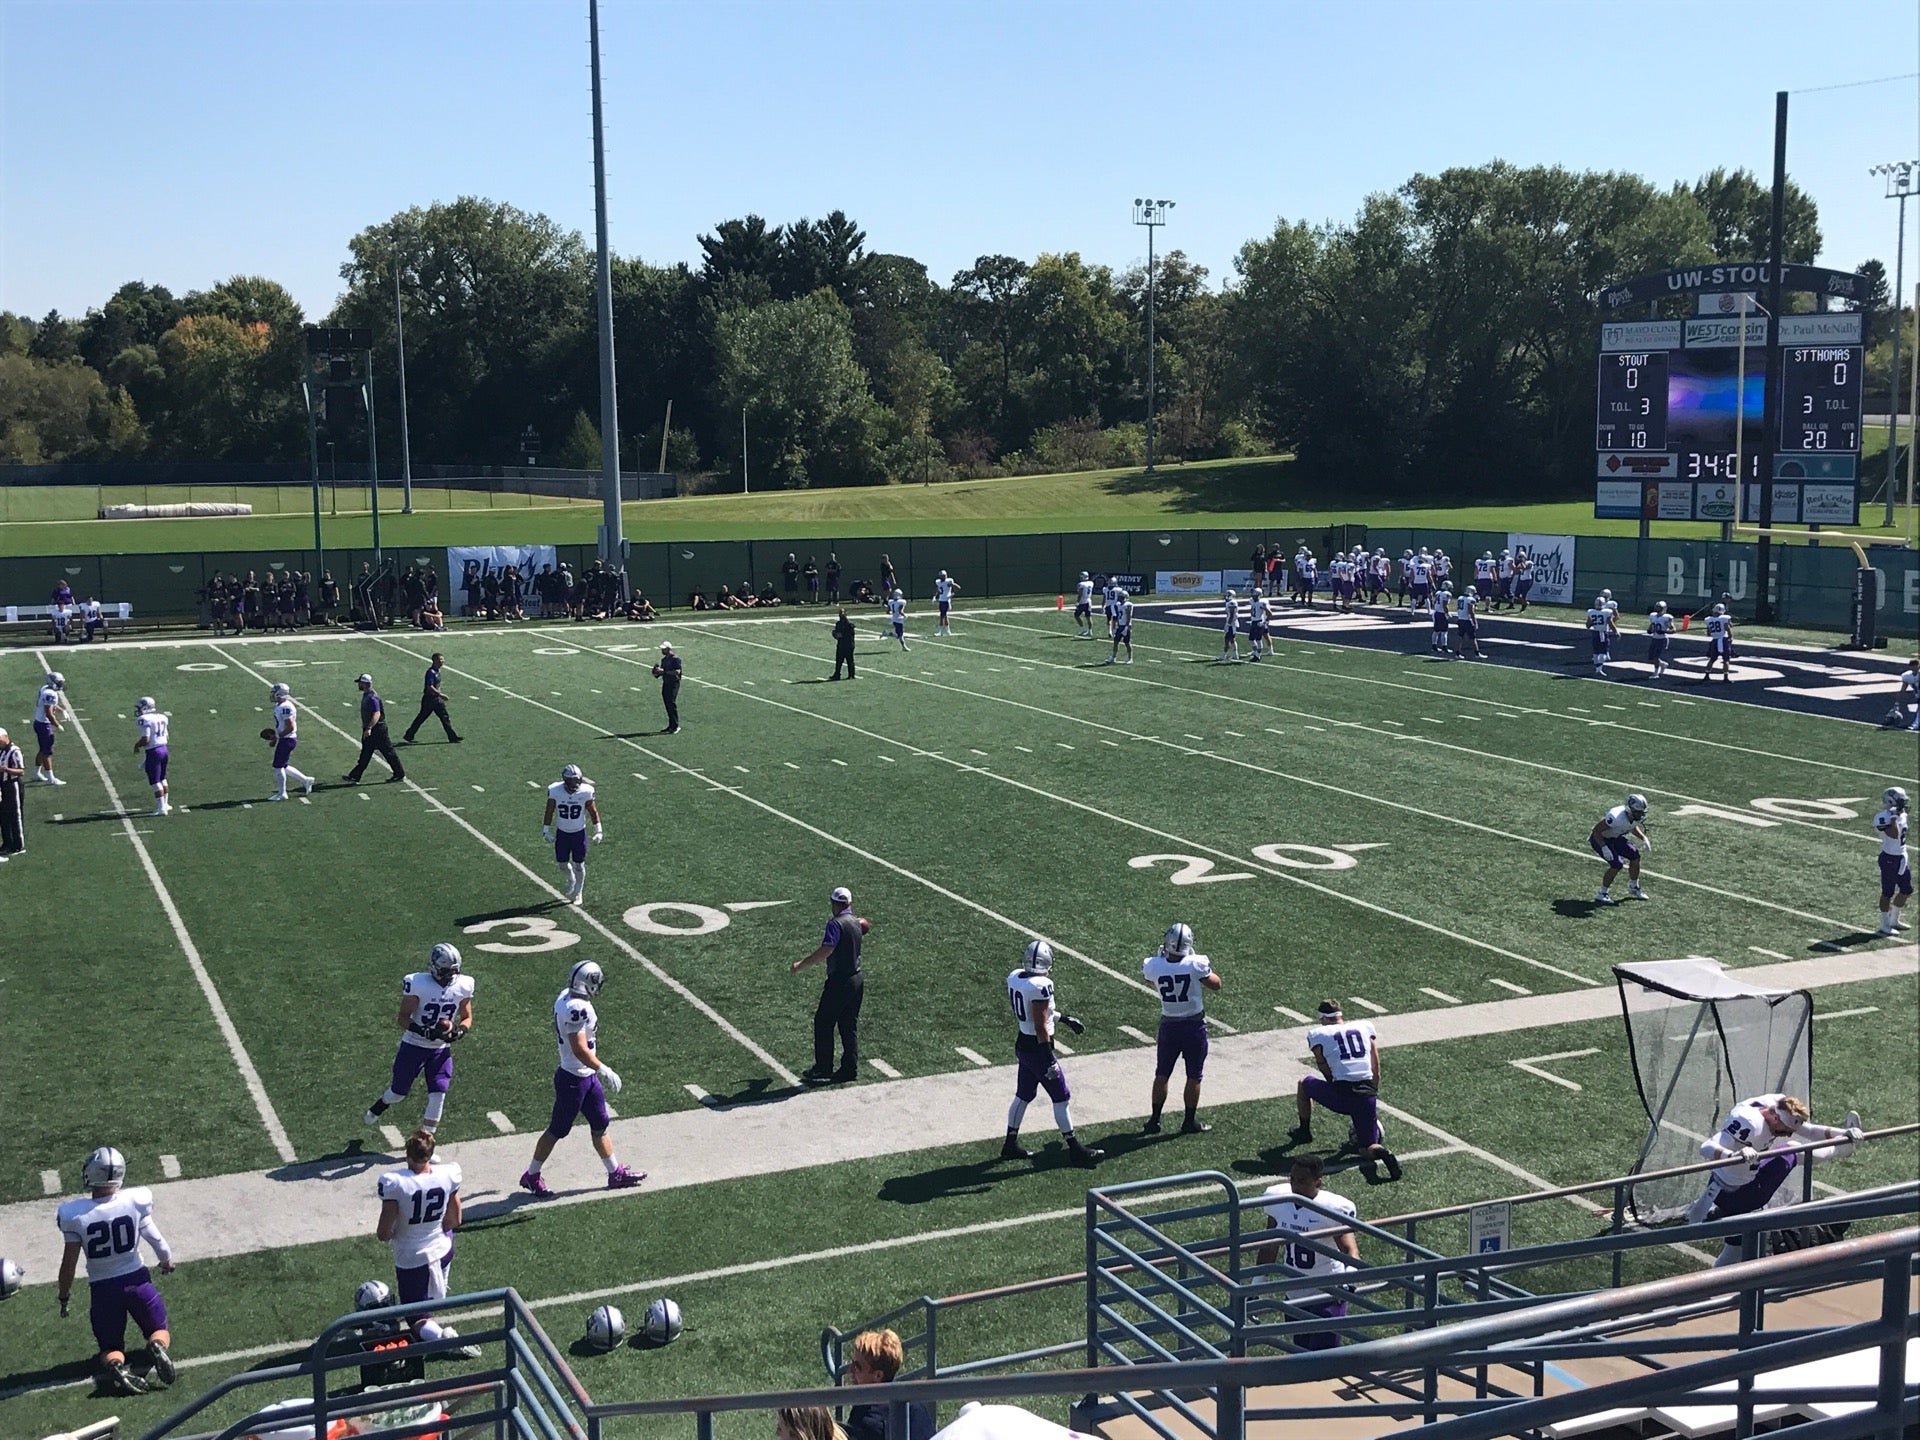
(436, 1012)
(569, 807)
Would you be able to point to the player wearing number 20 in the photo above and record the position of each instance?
(108, 1224)
(1180, 974)
(436, 1011)
(569, 807)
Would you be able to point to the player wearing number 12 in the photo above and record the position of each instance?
(419, 1211)
(107, 1224)
(1180, 974)
(569, 807)
(436, 1012)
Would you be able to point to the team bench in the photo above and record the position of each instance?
(119, 610)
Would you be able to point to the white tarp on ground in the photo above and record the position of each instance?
(198, 511)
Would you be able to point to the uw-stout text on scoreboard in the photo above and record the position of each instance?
(1682, 410)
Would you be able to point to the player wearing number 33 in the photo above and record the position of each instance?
(108, 1224)
(436, 1011)
(1180, 973)
(419, 1211)
(1348, 1054)
(569, 807)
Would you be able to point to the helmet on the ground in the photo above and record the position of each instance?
(372, 1295)
(443, 962)
(663, 1323)
(1037, 957)
(11, 1278)
(586, 978)
(104, 1168)
(1178, 941)
(606, 1327)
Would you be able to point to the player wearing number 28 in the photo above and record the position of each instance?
(436, 1012)
(1180, 973)
(569, 807)
(107, 1224)
(1348, 1054)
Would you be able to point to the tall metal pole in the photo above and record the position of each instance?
(743, 450)
(612, 541)
(1893, 375)
(1776, 254)
(400, 346)
(373, 461)
(1150, 354)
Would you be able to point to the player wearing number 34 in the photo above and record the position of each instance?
(108, 1224)
(436, 1012)
(569, 807)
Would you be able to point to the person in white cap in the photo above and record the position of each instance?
(840, 997)
(667, 672)
(373, 736)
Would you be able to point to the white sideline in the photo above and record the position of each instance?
(613, 938)
(276, 1132)
(1451, 820)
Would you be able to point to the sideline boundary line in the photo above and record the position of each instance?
(1197, 846)
(726, 1026)
(256, 1087)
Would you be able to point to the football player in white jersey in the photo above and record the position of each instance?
(286, 739)
(1719, 645)
(48, 708)
(150, 743)
(1909, 695)
(570, 805)
(1442, 616)
(1348, 1054)
(581, 1084)
(1230, 633)
(1120, 622)
(419, 1211)
(1180, 974)
(1659, 638)
(1419, 580)
(107, 1224)
(1467, 621)
(1896, 870)
(436, 1012)
(944, 589)
(1752, 1175)
(1030, 993)
(1612, 840)
(1313, 1243)
(1259, 624)
(1600, 630)
(1083, 606)
(897, 613)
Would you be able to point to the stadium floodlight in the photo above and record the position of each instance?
(1903, 178)
(1152, 214)
(339, 358)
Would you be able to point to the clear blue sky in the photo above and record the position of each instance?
(182, 141)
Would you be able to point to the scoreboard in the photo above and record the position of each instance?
(1680, 420)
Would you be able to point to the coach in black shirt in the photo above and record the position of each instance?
(669, 671)
(433, 702)
(840, 997)
(843, 646)
(373, 736)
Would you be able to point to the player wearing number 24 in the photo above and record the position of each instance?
(436, 1012)
(108, 1223)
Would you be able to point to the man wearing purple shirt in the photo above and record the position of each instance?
(840, 997)
(373, 736)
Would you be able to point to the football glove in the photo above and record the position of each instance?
(610, 1078)
(546, 833)
(1074, 1023)
(267, 733)
(598, 834)
(1750, 1155)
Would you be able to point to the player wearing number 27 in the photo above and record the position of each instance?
(436, 1012)
(108, 1224)
(1180, 973)
(1348, 1054)
(569, 807)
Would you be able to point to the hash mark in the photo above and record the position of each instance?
(500, 1122)
(170, 1166)
(1440, 995)
(1508, 985)
(974, 1056)
(1235, 733)
(1272, 731)
(1063, 745)
(1024, 750)
(1114, 743)
(790, 765)
(391, 1134)
(636, 775)
(888, 758)
(1578, 711)
(841, 763)
(743, 769)
(1191, 736)
(981, 753)
(50, 1182)
(697, 1093)
(481, 788)
(1770, 954)
(1365, 1004)
(1140, 1035)
(1649, 704)
(1293, 1015)
(888, 1070)
(1847, 1014)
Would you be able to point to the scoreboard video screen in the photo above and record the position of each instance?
(1681, 418)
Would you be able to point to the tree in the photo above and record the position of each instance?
(1879, 300)
(1740, 210)
(741, 261)
(228, 393)
(580, 450)
(54, 339)
(53, 411)
(789, 364)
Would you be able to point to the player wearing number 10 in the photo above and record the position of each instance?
(108, 1224)
(1348, 1054)
(436, 1012)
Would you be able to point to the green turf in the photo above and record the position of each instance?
(1252, 493)
(1473, 789)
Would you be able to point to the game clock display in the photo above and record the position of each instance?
(1820, 398)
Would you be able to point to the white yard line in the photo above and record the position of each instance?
(611, 936)
(269, 1117)
(1532, 1063)
(1440, 995)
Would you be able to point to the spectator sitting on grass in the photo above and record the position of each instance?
(640, 608)
(430, 617)
(767, 597)
(861, 593)
(697, 601)
(876, 1360)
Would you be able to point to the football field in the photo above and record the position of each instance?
(214, 991)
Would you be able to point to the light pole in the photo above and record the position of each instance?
(400, 345)
(1152, 214)
(1903, 178)
(613, 544)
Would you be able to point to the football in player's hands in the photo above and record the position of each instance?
(443, 1030)
(267, 733)
(865, 925)
(1074, 1023)
(656, 672)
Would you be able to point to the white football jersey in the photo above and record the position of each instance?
(1025, 992)
(569, 806)
(1123, 614)
(46, 704)
(1895, 844)
(1292, 1219)
(1465, 606)
(1746, 1125)
(1910, 681)
(1660, 623)
(1441, 601)
(897, 609)
(1720, 627)
(1600, 620)
(1084, 593)
(1420, 568)
(1261, 611)
(424, 1198)
(1178, 982)
(153, 728)
(286, 719)
(1616, 822)
(1483, 569)
(574, 1015)
(1231, 616)
(943, 590)
(109, 1231)
(437, 1002)
(1347, 1048)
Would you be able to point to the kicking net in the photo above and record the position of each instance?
(1702, 1041)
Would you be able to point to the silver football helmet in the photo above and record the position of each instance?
(606, 1327)
(663, 1323)
(56, 680)
(1719, 609)
(372, 1295)
(1037, 957)
(1178, 941)
(1659, 607)
(144, 705)
(571, 776)
(11, 1278)
(1894, 797)
(104, 1168)
(282, 691)
(586, 978)
(443, 963)
(1636, 805)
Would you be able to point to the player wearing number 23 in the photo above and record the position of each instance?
(436, 1012)
(1180, 973)
(107, 1224)
(1348, 1054)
